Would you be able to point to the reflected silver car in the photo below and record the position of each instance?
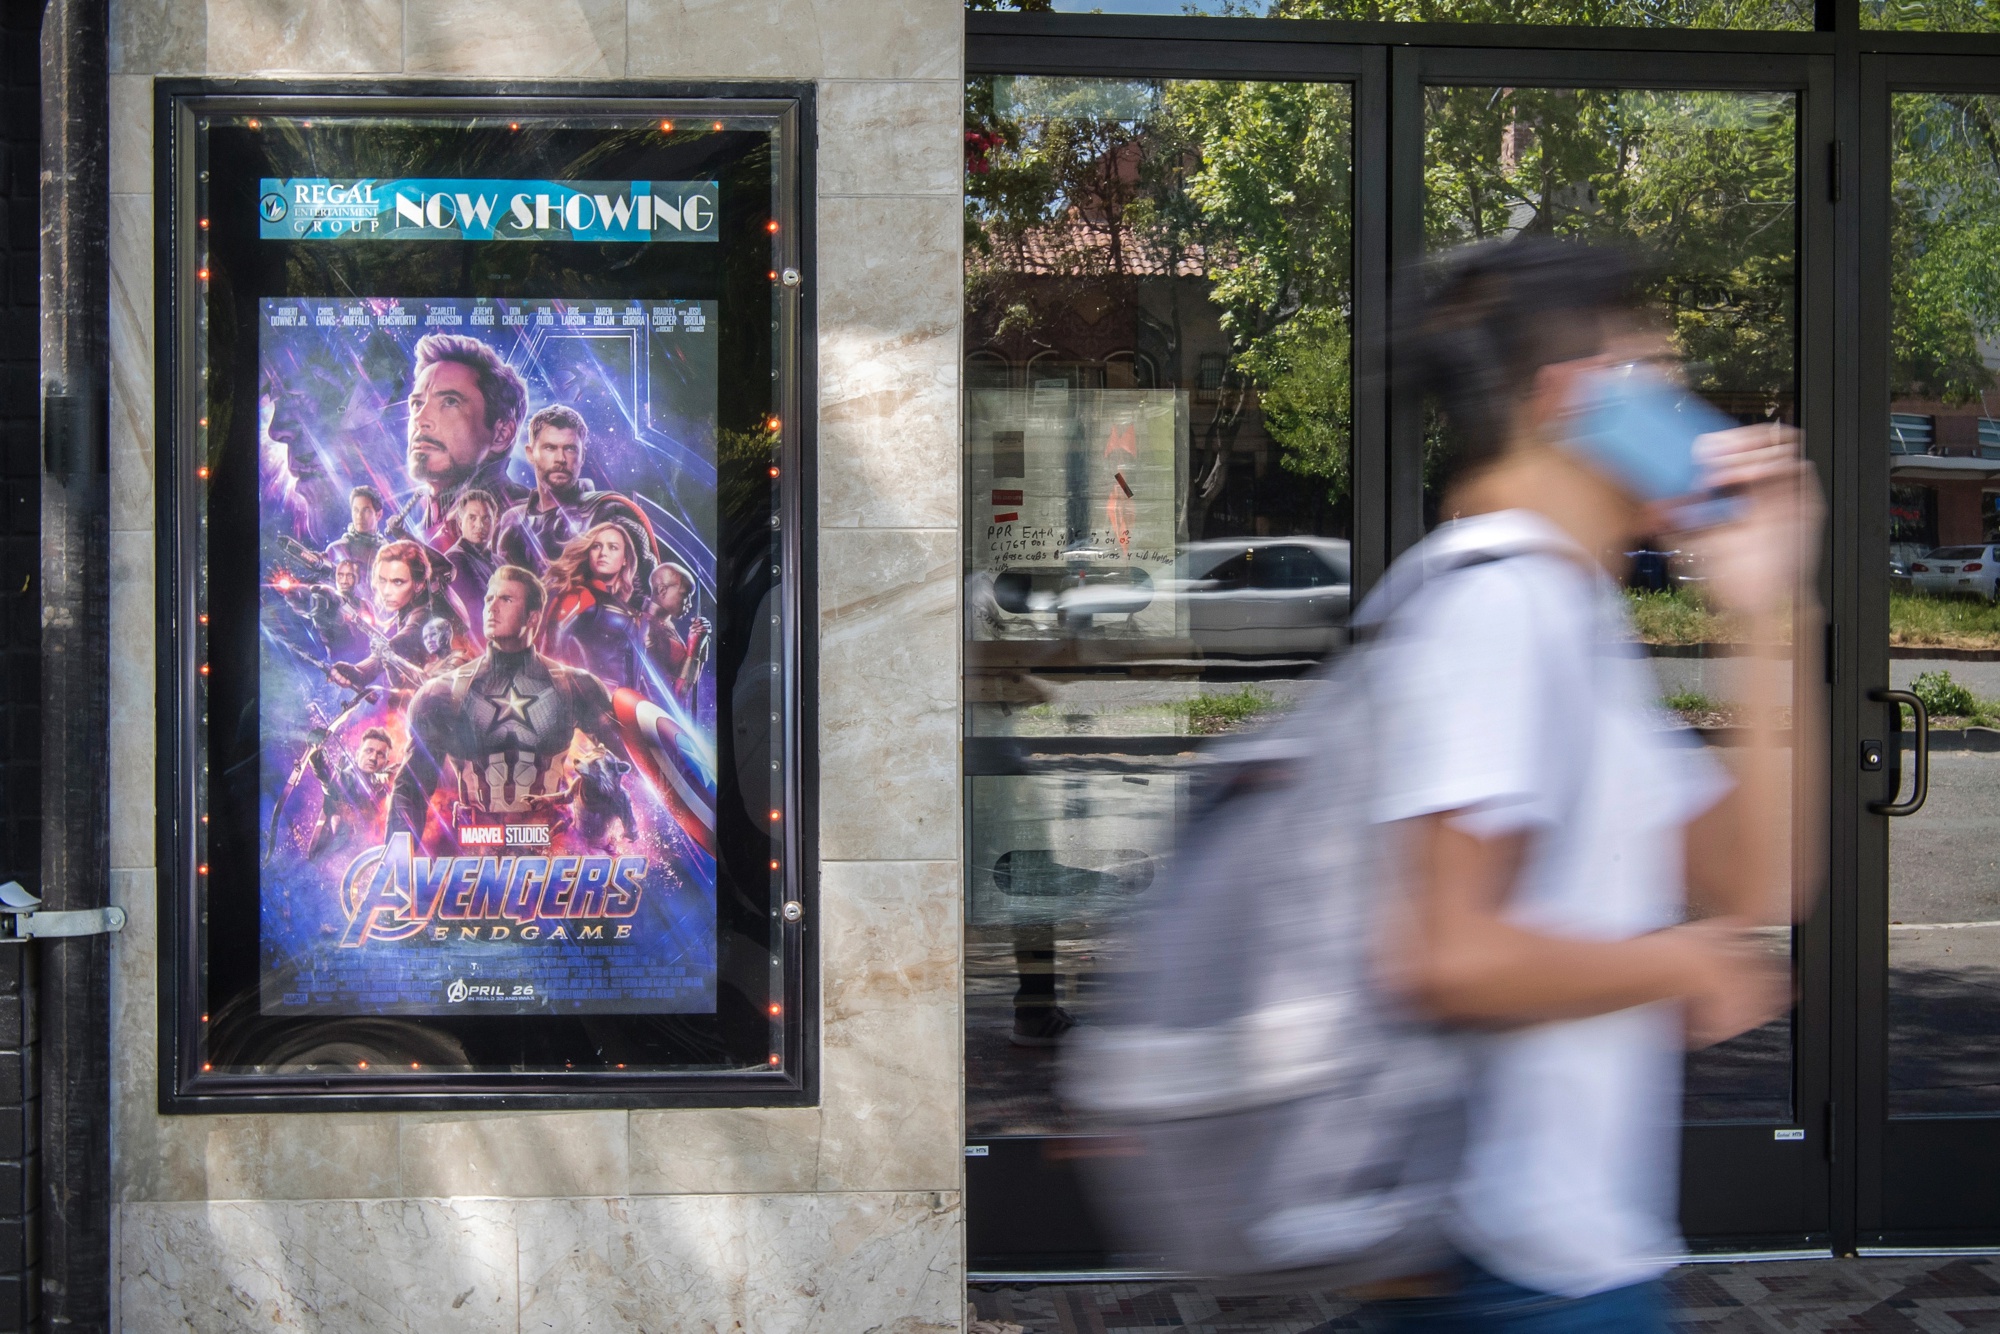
(1260, 596)
(1963, 570)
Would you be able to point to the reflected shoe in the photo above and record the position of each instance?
(1041, 1027)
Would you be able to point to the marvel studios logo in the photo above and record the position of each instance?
(504, 835)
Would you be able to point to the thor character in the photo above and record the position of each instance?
(465, 409)
(502, 725)
(592, 620)
(677, 654)
(564, 503)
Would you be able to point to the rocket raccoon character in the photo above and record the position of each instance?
(502, 724)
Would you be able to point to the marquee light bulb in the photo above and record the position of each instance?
(771, 226)
(256, 124)
(666, 127)
(718, 125)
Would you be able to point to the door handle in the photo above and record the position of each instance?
(1921, 787)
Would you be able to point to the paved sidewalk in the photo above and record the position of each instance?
(1934, 1295)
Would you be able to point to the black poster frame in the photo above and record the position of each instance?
(185, 1086)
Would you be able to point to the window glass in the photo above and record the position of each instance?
(1157, 489)
(1702, 187)
(1792, 15)
(1929, 15)
(1944, 347)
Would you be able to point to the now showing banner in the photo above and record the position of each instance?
(325, 209)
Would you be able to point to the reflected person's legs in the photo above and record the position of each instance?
(1039, 1020)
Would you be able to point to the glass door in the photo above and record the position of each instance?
(1159, 525)
(1929, 463)
(1697, 172)
(1183, 465)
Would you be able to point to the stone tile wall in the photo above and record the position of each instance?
(841, 1217)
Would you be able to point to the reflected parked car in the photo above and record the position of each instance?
(1255, 597)
(1961, 570)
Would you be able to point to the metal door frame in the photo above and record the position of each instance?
(1841, 73)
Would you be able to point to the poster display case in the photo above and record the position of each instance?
(483, 590)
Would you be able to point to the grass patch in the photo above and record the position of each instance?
(1950, 704)
(1673, 616)
(1209, 715)
(1917, 620)
(1691, 701)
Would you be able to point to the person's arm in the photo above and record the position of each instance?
(1460, 961)
(1746, 853)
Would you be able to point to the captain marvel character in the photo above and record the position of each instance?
(594, 620)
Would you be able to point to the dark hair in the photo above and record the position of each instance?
(506, 394)
(377, 734)
(475, 497)
(533, 592)
(367, 493)
(1481, 321)
(562, 419)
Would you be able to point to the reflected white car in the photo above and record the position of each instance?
(1261, 596)
(1961, 570)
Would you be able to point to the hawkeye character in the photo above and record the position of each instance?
(471, 557)
(353, 792)
(503, 724)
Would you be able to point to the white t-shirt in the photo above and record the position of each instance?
(1511, 690)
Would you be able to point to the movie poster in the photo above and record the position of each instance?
(487, 694)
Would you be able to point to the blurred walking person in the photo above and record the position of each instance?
(1580, 883)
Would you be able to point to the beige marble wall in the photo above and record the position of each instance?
(841, 1217)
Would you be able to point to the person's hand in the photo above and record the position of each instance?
(1734, 984)
(345, 675)
(1755, 561)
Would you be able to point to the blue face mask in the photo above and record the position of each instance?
(1640, 428)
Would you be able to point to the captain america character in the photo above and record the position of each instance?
(502, 725)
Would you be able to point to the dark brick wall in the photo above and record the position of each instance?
(20, 636)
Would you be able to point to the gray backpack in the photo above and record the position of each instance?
(1271, 1112)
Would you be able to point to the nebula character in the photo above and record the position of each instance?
(405, 600)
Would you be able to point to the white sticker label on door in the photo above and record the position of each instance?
(1788, 1134)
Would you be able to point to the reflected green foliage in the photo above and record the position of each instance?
(1786, 14)
(1247, 185)
(1931, 15)
(1945, 244)
(1792, 15)
(1089, 183)
(1699, 186)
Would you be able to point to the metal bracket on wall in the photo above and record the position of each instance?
(20, 922)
